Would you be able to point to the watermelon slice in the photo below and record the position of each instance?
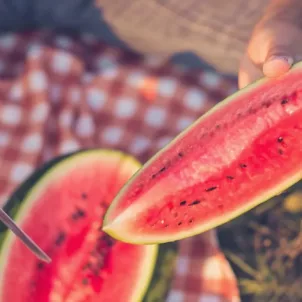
(245, 150)
(63, 212)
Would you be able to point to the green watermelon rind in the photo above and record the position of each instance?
(117, 227)
(18, 204)
(163, 273)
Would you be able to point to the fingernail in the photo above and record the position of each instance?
(277, 65)
(287, 59)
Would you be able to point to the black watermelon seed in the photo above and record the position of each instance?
(280, 139)
(180, 154)
(266, 104)
(211, 189)
(103, 204)
(284, 101)
(160, 171)
(79, 213)
(230, 177)
(194, 202)
(280, 151)
(84, 195)
(243, 165)
(60, 239)
(182, 203)
(40, 265)
(109, 242)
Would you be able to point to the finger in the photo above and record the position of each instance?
(274, 47)
(278, 61)
(248, 72)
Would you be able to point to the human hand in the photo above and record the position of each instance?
(276, 42)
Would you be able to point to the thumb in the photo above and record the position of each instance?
(273, 48)
(277, 64)
(275, 42)
(278, 54)
(270, 53)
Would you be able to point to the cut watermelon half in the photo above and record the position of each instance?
(242, 152)
(63, 212)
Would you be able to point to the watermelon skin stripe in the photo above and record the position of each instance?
(148, 190)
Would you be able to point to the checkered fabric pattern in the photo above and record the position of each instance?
(59, 94)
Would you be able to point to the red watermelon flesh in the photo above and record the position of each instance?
(245, 150)
(64, 215)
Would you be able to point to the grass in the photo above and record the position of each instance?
(264, 248)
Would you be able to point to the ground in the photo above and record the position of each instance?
(264, 247)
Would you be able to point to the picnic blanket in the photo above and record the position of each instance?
(63, 93)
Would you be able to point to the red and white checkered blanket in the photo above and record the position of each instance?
(59, 94)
